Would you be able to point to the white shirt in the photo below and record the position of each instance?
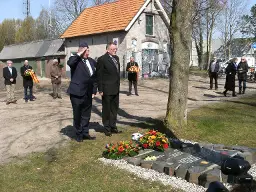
(10, 69)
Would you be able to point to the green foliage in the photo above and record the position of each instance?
(18, 31)
(120, 150)
(250, 22)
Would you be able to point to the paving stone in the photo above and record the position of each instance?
(169, 169)
(146, 164)
(159, 166)
(134, 161)
(194, 173)
(239, 148)
(144, 152)
(218, 146)
(253, 152)
(182, 171)
(213, 175)
(247, 156)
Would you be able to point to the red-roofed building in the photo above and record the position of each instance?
(139, 27)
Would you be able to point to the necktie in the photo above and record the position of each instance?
(87, 64)
(115, 62)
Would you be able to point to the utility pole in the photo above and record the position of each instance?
(27, 7)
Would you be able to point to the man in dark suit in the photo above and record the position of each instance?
(132, 75)
(10, 75)
(108, 75)
(27, 82)
(213, 72)
(82, 90)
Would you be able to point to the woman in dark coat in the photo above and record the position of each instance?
(242, 70)
(230, 77)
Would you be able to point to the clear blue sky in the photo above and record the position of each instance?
(15, 8)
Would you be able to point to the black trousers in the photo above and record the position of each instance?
(82, 107)
(135, 86)
(110, 105)
(213, 75)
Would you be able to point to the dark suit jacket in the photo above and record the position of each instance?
(27, 80)
(82, 83)
(132, 76)
(108, 75)
(7, 75)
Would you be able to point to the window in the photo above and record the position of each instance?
(149, 24)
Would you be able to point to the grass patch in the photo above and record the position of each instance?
(197, 72)
(229, 123)
(73, 168)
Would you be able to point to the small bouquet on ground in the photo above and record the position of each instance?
(32, 74)
(154, 140)
(134, 69)
(121, 150)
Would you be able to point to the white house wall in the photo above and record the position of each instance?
(97, 43)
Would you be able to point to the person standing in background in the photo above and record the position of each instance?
(10, 75)
(56, 72)
(242, 70)
(133, 69)
(213, 72)
(27, 81)
(230, 77)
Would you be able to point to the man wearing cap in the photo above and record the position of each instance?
(82, 89)
(108, 75)
(213, 72)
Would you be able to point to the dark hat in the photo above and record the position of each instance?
(83, 44)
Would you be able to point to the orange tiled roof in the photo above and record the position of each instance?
(104, 18)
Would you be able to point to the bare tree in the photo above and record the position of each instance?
(230, 23)
(215, 7)
(180, 37)
(66, 11)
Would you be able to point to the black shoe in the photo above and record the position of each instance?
(107, 133)
(129, 94)
(116, 131)
(137, 94)
(31, 100)
(225, 94)
(234, 95)
(88, 137)
(7, 103)
(60, 97)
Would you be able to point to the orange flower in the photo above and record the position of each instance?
(120, 149)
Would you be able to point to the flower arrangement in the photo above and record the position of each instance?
(121, 149)
(134, 69)
(154, 140)
(28, 72)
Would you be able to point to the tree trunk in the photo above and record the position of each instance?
(180, 36)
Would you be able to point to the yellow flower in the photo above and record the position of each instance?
(164, 141)
(153, 137)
